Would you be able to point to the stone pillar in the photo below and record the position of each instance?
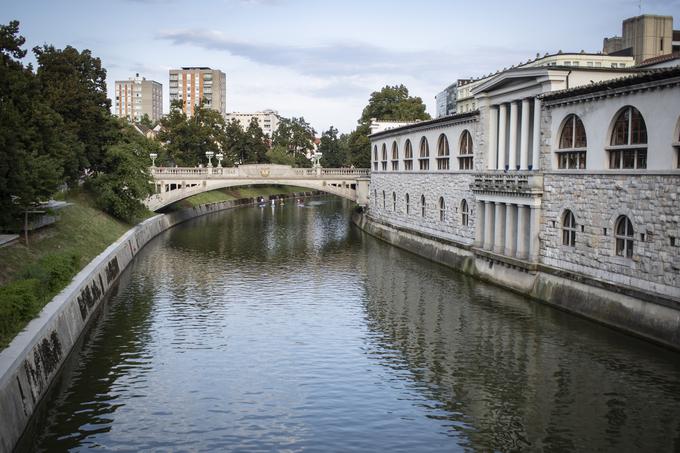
(512, 147)
(524, 137)
(534, 227)
(493, 138)
(488, 225)
(499, 228)
(479, 224)
(502, 131)
(522, 225)
(537, 135)
(510, 229)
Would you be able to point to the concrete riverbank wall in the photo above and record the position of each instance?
(652, 318)
(31, 362)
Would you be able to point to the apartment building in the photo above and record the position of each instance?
(137, 97)
(267, 119)
(191, 85)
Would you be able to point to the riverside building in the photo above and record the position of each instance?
(137, 97)
(563, 183)
(191, 85)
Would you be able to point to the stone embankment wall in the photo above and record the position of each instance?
(630, 311)
(33, 359)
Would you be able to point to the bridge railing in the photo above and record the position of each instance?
(249, 171)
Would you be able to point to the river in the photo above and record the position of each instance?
(288, 329)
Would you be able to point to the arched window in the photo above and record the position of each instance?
(375, 196)
(624, 237)
(442, 153)
(465, 156)
(572, 148)
(422, 205)
(395, 156)
(408, 156)
(394, 202)
(568, 229)
(375, 157)
(424, 156)
(384, 157)
(464, 213)
(442, 209)
(629, 140)
(407, 201)
(383, 199)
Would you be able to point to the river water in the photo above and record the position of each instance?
(288, 329)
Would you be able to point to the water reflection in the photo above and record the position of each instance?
(287, 329)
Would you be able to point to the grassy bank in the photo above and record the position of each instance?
(235, 193)
(31, 276)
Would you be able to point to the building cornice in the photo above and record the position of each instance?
(436, 123)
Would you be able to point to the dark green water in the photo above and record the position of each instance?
(288, 329)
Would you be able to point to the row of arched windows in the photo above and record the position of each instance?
(627, 145)
(465, 154)
(624, 234)
(422, 206)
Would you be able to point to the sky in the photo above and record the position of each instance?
(320, 59)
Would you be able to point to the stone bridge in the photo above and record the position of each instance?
(176, 183)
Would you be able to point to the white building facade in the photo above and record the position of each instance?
(267, 119)
(554, 181)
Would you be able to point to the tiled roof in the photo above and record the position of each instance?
(650, 75)
(421, 124)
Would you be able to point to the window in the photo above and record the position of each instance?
(384, 157)
(375, 196)
(464, 213)
(408, 156)
(394, 202)
(677, 147)
(383, 199)
(568, 229)
(442, 209)
(375, 157)
(442, 153)
(623, 232)
(629, 140)
(571, 152)
(465, 156)
(424, 157)
(407, 201)
(422, 205)
(395, 156)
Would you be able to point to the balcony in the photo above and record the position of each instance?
(512, 183)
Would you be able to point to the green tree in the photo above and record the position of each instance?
(146, 121)
(390, 103)
(257, 143)
(33, 145)
(73, 83)
(279, 155)
(236, 143)
(295, 135)
(331, 147)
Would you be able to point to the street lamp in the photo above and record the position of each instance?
(209, 155)
(219, 157)
(153, 157)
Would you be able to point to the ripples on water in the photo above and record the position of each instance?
(289, 330)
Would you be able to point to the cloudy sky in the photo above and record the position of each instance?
(322, 59)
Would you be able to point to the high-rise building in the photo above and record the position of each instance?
(191, 85)
(644, 37)
(267, 119)
(137, 97)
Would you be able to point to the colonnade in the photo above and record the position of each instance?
(523, 124)
(508, 229)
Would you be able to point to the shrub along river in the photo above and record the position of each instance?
(289, 329)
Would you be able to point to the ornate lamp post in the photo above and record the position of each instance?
(209, 155)
(153, 157)
(219, 157)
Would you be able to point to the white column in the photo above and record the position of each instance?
(522, 225)
(502, 134)
(512, 148)
(479, 224)
(488, 225)
(493, 137)
(534, 227)
(537, 135)
(510, 229)
(524, 137)
(499, 228)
